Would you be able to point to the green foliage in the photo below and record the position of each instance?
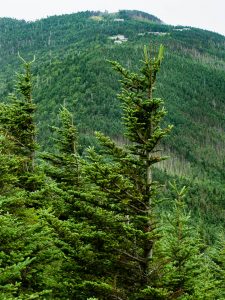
(182, 266)
(64, 166)
(218, 256)
(71, 52)
(123, 176)
(17, 117)
(143, 113)
(91, 224)
(17, 124)
(27, 242)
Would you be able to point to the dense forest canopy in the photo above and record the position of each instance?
(71, 68)
(77, 221)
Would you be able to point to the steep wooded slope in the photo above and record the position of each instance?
(71, 67)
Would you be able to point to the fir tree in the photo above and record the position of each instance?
(182, 266)
(123, 179)
(29, 257)
(63, 165)
(17, 124)
(217, 253)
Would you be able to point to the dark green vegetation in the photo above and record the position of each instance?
(77, 223)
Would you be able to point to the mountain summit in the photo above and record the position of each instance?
(138, 15)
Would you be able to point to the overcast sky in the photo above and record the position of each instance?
(204, 14)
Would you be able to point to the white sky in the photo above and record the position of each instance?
(204, 14)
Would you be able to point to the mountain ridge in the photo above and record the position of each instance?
(126, 14)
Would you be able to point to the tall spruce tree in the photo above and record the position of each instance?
(217, 252)
(17, 123)
(63, 165)
(78, 220)
(183, 270)
(123, 178)
(29, 258)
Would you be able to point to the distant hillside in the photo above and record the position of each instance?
(71, 68)
(138, 15)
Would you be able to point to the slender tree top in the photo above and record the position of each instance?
(142, 111)
(24, 83)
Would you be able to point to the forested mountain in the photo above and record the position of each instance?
(59, 195)
(71, 67)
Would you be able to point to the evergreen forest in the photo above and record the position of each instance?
(111, 159)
